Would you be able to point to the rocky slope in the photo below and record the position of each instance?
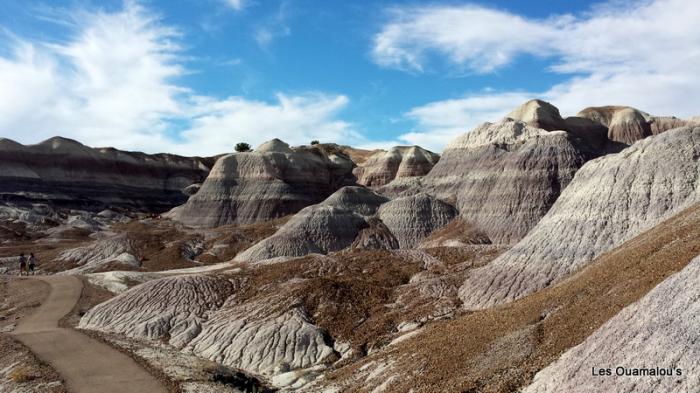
(396, 163)
(329, 226)
(610, 200)
(660, 330)
(272, 181)
(71, 175)
(503, 177)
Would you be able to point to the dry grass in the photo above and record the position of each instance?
(474, 256)
(160, 243)
(458, 230)
(357, 296)
(500, 349)
(240, 237)
(22, 374)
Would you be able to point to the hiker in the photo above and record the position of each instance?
(22, 264)
(32, 263)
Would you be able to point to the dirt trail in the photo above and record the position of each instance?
(85, 364)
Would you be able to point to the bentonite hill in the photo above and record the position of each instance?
(532, 254)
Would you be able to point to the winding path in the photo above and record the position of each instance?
(85, 364)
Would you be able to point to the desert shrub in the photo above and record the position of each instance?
(242, 147)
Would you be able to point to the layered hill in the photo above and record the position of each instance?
(503, 177)
(272, 181)
(69, 174)
(396, 163)
(610, 200)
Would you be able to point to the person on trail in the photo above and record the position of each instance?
(32, 263)
(22, 264)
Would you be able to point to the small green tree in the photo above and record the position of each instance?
(242, 147)
(315, 142)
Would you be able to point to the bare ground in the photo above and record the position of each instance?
(20, 370)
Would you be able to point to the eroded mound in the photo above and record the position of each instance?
(500, 349)
(69, 174)
(628, 125)
(413, 218)
(301, 316)
(173, 307)
(396, 163)
(329, 226)
(539, 114)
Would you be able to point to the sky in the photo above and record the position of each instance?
(195, 77)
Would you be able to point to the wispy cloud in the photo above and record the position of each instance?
(115, 83)
(639, 53)
(276, 26)
(112, 78)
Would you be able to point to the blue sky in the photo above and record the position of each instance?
(195, 77)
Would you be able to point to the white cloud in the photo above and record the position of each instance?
(296, 119)
(639, 53)
(443, 120)
(236, 4)
(479, 38)
(114, 83)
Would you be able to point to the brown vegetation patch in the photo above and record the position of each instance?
(158, 244)
(158, 247)
(358, 156)
(457, 230)
(357, 296)
(22, 374)
(500, 349)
